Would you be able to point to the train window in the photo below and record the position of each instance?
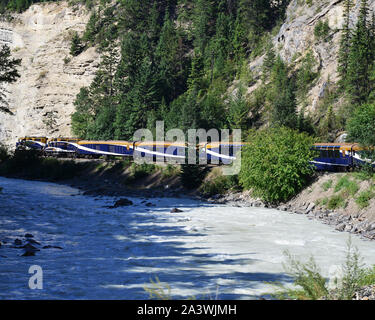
(97, 147)
(323, 154)
(111, 149)
(334, 153)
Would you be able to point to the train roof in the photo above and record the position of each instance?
(64, 139)
(32, 138)
(339, 145)
(160, 143)
(103, 142)
(217, 143)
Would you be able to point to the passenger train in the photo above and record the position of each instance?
(330, 156)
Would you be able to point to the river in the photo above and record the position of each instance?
(210, 251)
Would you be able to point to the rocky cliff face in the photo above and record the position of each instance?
(296, 37)
(41, 101)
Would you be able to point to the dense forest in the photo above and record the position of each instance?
(173, 61)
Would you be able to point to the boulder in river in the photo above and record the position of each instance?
(123, 202)
(29, 253)
(150, 204)
(176, 210)
(30, 247)
(29, 235)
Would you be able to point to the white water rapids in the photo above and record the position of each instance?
(210, 251)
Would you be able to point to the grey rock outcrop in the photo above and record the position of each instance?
(41, 101)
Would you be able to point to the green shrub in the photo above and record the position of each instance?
(219, 185)
(321, 29)
(275, 164)
(309, 284)
(363, 199)
(366, 173)
(170, 171)
(336, 201)
(327, 185)
(192, 175)
(347, 185)
(323, 202)
(139, 171)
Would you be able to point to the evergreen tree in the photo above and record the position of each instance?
(138, 103)
(345, 41)
(282, 98)
(76, 45)
(8, 73)
(203, 23)
(84, 115)
(360, 58)
(169, 60)
(238, 110)
(92, 28)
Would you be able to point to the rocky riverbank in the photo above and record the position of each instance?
(340, 221)
(346, 219)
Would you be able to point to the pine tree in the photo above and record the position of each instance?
(136, 105)
(169, 61)
(92, 28)
(360, 58)
(238, 110)
(283, 100)
(76, 45)
(345, 42)
(203, 23)
(8, 73)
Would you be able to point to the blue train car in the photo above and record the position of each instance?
(31, 143)
(219, 152)
(104, 148)
(334, 156)
(155, 151)
(61, 147)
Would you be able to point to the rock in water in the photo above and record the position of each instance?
(17, 242)
(28, 253)
(29, 235)
(176, 210)
(30, 247)
(122, 203)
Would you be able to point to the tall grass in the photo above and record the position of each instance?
(347, 185)
(309, 284)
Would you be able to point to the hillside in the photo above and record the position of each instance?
(41, 101)
(206, 64)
